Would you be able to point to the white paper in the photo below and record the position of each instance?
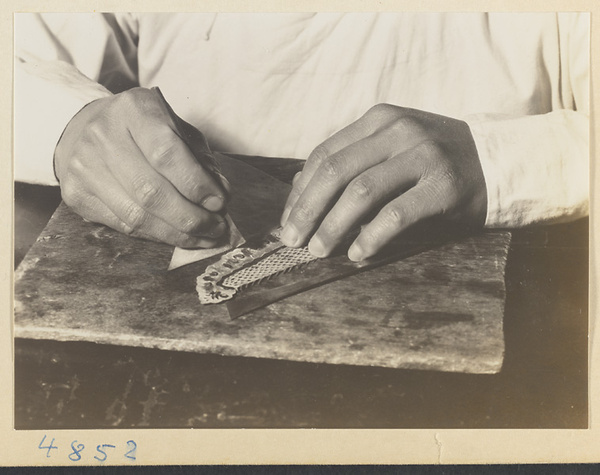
(182, 257)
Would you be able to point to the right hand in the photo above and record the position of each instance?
(127, 161)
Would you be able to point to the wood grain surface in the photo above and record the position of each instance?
(440, 309)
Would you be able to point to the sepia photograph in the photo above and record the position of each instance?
(299, 220)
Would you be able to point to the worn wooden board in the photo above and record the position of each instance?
(441, 309)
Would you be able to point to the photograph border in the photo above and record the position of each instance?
(297, 446)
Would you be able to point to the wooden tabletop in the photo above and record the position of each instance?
(174, 389)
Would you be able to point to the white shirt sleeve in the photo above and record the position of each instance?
(60, 63)
(537, 167)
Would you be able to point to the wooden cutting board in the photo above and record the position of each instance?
(441, 309)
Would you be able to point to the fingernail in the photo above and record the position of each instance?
(316, 247)
(213, 203)
(289, 235)
(356, 253)
(224, 182)
(296, 177)
(285, 216)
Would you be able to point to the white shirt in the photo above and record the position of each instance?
(279, 84)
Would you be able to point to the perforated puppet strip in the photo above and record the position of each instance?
(247, 266)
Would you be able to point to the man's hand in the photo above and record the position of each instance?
(388, 170)
(127, 161)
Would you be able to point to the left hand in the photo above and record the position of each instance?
(388, 170)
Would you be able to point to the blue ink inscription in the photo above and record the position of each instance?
(49, 447)
(76, 451)
(131, 453)
(100, 449)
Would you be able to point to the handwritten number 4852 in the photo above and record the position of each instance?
(75, 455)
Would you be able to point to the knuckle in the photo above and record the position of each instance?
(332, 169)
(78, 166)
(361, 189)
(95, 132)
(393, 217)
(430, 149)
(319, 154)
(403, 125)
(303, 214)
(382, 112)
(133, 101)
(147, 100)
(163, 154)
(134, 218)
(147, 193)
